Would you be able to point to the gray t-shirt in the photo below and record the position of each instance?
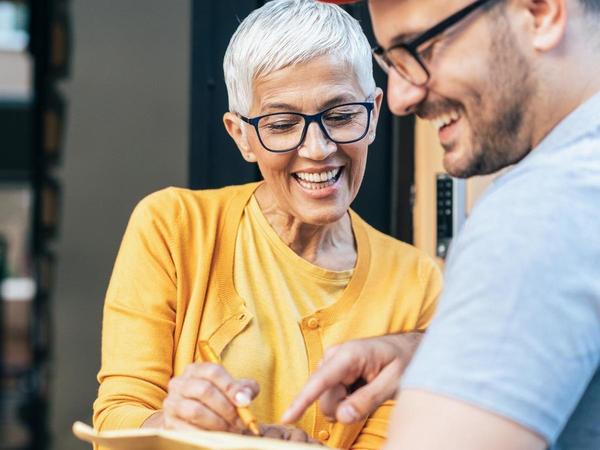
(518, 327)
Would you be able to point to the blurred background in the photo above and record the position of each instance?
(101, 103)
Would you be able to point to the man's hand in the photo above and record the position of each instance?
(355, 377)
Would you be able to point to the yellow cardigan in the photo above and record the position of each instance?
(172, 285)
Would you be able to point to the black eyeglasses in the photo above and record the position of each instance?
(407, 60)
(285, 131)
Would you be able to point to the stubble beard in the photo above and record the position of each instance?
(499, 138)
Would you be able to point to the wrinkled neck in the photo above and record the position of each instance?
(329, 245)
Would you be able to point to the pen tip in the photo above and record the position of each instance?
(254, 428)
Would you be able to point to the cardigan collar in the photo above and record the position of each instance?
(226, 246)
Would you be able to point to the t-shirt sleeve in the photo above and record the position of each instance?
(517, 330)
(431, 277)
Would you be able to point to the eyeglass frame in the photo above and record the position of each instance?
(412, 45)
(308, 119)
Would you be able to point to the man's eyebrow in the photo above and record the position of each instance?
(404, 38)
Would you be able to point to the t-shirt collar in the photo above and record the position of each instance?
(584, 119)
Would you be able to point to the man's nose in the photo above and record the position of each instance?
(316, 145)
(403, 96)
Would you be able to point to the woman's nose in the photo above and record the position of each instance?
(316, 145)
(403, 96)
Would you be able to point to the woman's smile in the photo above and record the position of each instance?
(319, 183)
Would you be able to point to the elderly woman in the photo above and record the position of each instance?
(270, 274)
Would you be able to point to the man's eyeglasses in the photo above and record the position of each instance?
(406, 58)
(285, 131)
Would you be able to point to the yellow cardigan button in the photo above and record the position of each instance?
(323, 435)
(313, 323)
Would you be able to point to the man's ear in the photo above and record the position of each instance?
(549, 23)
(238, 132)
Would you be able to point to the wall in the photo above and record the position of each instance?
(127, 136)
(15, 77)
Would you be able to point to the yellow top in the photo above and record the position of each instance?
(184, 274)
(245, 414)
(283, 288)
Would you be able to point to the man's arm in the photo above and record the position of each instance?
(355, 377)
(426, 421)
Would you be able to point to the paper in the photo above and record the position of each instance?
(157, 439)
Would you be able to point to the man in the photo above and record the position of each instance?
(511, 359)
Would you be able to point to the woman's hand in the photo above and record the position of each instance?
(205, 397)
(286, 433)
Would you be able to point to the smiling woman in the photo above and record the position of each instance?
(319, 87)
(270, 274)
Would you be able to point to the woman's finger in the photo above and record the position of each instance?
(175, 423)
(298, 435)
(273, 432)
(240, 392)
(197, 414)
(204, 391)
(285, 433)
(245, 391)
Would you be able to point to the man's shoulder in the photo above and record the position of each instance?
(557, 186)
(571, 165)
(534, 222)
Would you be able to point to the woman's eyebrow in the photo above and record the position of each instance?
(278, 106)
(285, 107)
(338, 99)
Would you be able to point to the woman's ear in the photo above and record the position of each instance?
(377, 100)
(238, 132)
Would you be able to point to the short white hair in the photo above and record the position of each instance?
(284, 33)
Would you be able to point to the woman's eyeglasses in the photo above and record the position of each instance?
(285, 131)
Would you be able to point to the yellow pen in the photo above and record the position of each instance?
(245, 414)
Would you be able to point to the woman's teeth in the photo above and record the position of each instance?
(317, 180)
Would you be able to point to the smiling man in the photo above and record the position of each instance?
(511, 358)
(486, 104)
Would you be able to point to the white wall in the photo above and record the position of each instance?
(127, 136)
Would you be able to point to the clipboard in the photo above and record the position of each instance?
(158, 439)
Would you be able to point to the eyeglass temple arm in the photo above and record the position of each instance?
(446, 23)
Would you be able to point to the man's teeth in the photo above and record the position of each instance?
(318, 177)
(445, 119)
